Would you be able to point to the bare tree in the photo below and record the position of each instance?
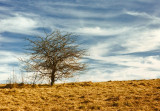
(55, 56)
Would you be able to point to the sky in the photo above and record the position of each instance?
(122, 36)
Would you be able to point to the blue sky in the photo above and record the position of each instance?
(122, 36)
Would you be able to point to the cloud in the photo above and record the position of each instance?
(145, 40)
(8, 40)
(112, 31)
(125, 68)
(102, 32)
(9, 57)
(128, 66)
(6, 72)
(8, 62)
(101, 74)
(18, 24)
(131, 41)
(144, 15)
(101, 53)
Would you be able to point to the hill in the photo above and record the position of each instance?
(137, 95)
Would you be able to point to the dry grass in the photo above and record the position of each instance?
(143, 95)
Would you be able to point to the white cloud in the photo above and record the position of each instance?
(153, 18)
(102, 31)
(133, 37)
(8, 40)
(101, 74)
(70, 9)
(6, 58)
(98, 50)
(3, 8)
(7, 72)
(136, 68)
(150, 62)
(18, 24)
(133, 73)
(9, 57)
(140, 41)
(133, 40)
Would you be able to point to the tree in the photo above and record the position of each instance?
(55, 56)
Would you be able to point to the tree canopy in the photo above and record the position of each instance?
(54, 56)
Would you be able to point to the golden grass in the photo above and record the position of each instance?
(142, 95)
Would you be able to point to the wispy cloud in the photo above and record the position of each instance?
(153, 18)
(9, 62)
(17, 24)
(97, 31)
(121, 36)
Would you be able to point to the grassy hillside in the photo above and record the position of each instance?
(143, 95)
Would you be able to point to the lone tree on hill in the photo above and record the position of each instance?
(55, 56)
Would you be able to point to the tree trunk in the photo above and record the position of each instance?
(52, 78)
